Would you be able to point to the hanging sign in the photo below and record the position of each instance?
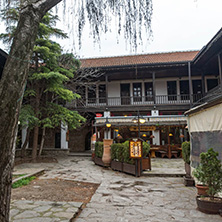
(143, 128)
(99, 115)
(136, 148)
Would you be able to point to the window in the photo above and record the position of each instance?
(197, 89)
(81, 90)
(172, 90)
(148, 91)
(184, 90)
(92, 94)
(102, 93)
(137, 92)
(211, 83)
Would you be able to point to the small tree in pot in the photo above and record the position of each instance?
(188, 180)
(209, 173)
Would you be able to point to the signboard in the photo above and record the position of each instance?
(136, 148)
(99, 115)
(143, 128)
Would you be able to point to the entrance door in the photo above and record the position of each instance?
(57, 140)
(125, 94)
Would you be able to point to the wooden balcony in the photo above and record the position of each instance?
(135, 103)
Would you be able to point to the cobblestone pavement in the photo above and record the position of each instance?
(42, 211)
(124, 198)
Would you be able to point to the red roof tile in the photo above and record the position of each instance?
(139, 59)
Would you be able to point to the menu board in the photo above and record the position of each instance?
(136, 149)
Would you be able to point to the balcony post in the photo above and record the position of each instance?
(154, 87)
(190, 84)
(106, 90)
(203, 83)
(219, 66)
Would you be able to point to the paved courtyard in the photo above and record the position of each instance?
(120, 197)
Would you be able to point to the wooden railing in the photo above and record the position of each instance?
(138, 101)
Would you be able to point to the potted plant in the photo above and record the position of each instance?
(146, 163)
(117, 156)
(188, 180)
(98, 153)
(209, 173)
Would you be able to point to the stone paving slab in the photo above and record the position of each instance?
(43, 211)
(121, 197)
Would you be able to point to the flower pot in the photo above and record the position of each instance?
(116, 165)
(206, 205)
(202, 190)
(107, 151)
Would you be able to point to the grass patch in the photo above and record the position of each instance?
(17, 176)
(22, 182)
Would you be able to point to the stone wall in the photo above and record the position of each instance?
(77, 139)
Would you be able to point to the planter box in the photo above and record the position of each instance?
(129, 168)
(98, 161)
(116, 165)
(188, 181)
(146, 163)
(209, 207)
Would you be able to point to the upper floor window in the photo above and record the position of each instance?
(211, 83)
(197, 89)
(148, 91)
(172, 90)
(102, 93)
(92, 94)
(184, 89)
(137, 92)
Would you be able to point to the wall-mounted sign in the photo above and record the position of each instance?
(136, 148)
(99, 115)
(143, 128)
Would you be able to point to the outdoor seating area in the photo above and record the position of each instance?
(169, 151)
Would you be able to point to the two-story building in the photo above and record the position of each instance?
(159, 87)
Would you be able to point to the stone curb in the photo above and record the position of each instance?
(37, 173)
(163, 174)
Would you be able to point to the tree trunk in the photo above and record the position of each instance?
(35, 143)
(23, 149)
(36, 128)
(12, 86)
(42, 141)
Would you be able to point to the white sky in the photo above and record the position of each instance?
(178, 25)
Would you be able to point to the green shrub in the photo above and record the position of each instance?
(22, 182)
(99, 149)
(209, 172)
(117, 152)
(186, 152)
(126, 153)
(146, 149)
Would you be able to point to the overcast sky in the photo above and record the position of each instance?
(178, 25)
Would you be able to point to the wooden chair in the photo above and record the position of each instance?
(163, 150)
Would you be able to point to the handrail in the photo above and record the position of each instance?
(133, 100)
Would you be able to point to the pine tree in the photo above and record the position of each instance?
(45, 91)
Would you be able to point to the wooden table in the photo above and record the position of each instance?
(153, 150)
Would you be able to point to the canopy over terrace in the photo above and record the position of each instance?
(157, 130)
(171, 120)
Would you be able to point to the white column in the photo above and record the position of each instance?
(64, 129)
(156, 139)
(24, 133)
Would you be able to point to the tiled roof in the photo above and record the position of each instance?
(156, 58)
